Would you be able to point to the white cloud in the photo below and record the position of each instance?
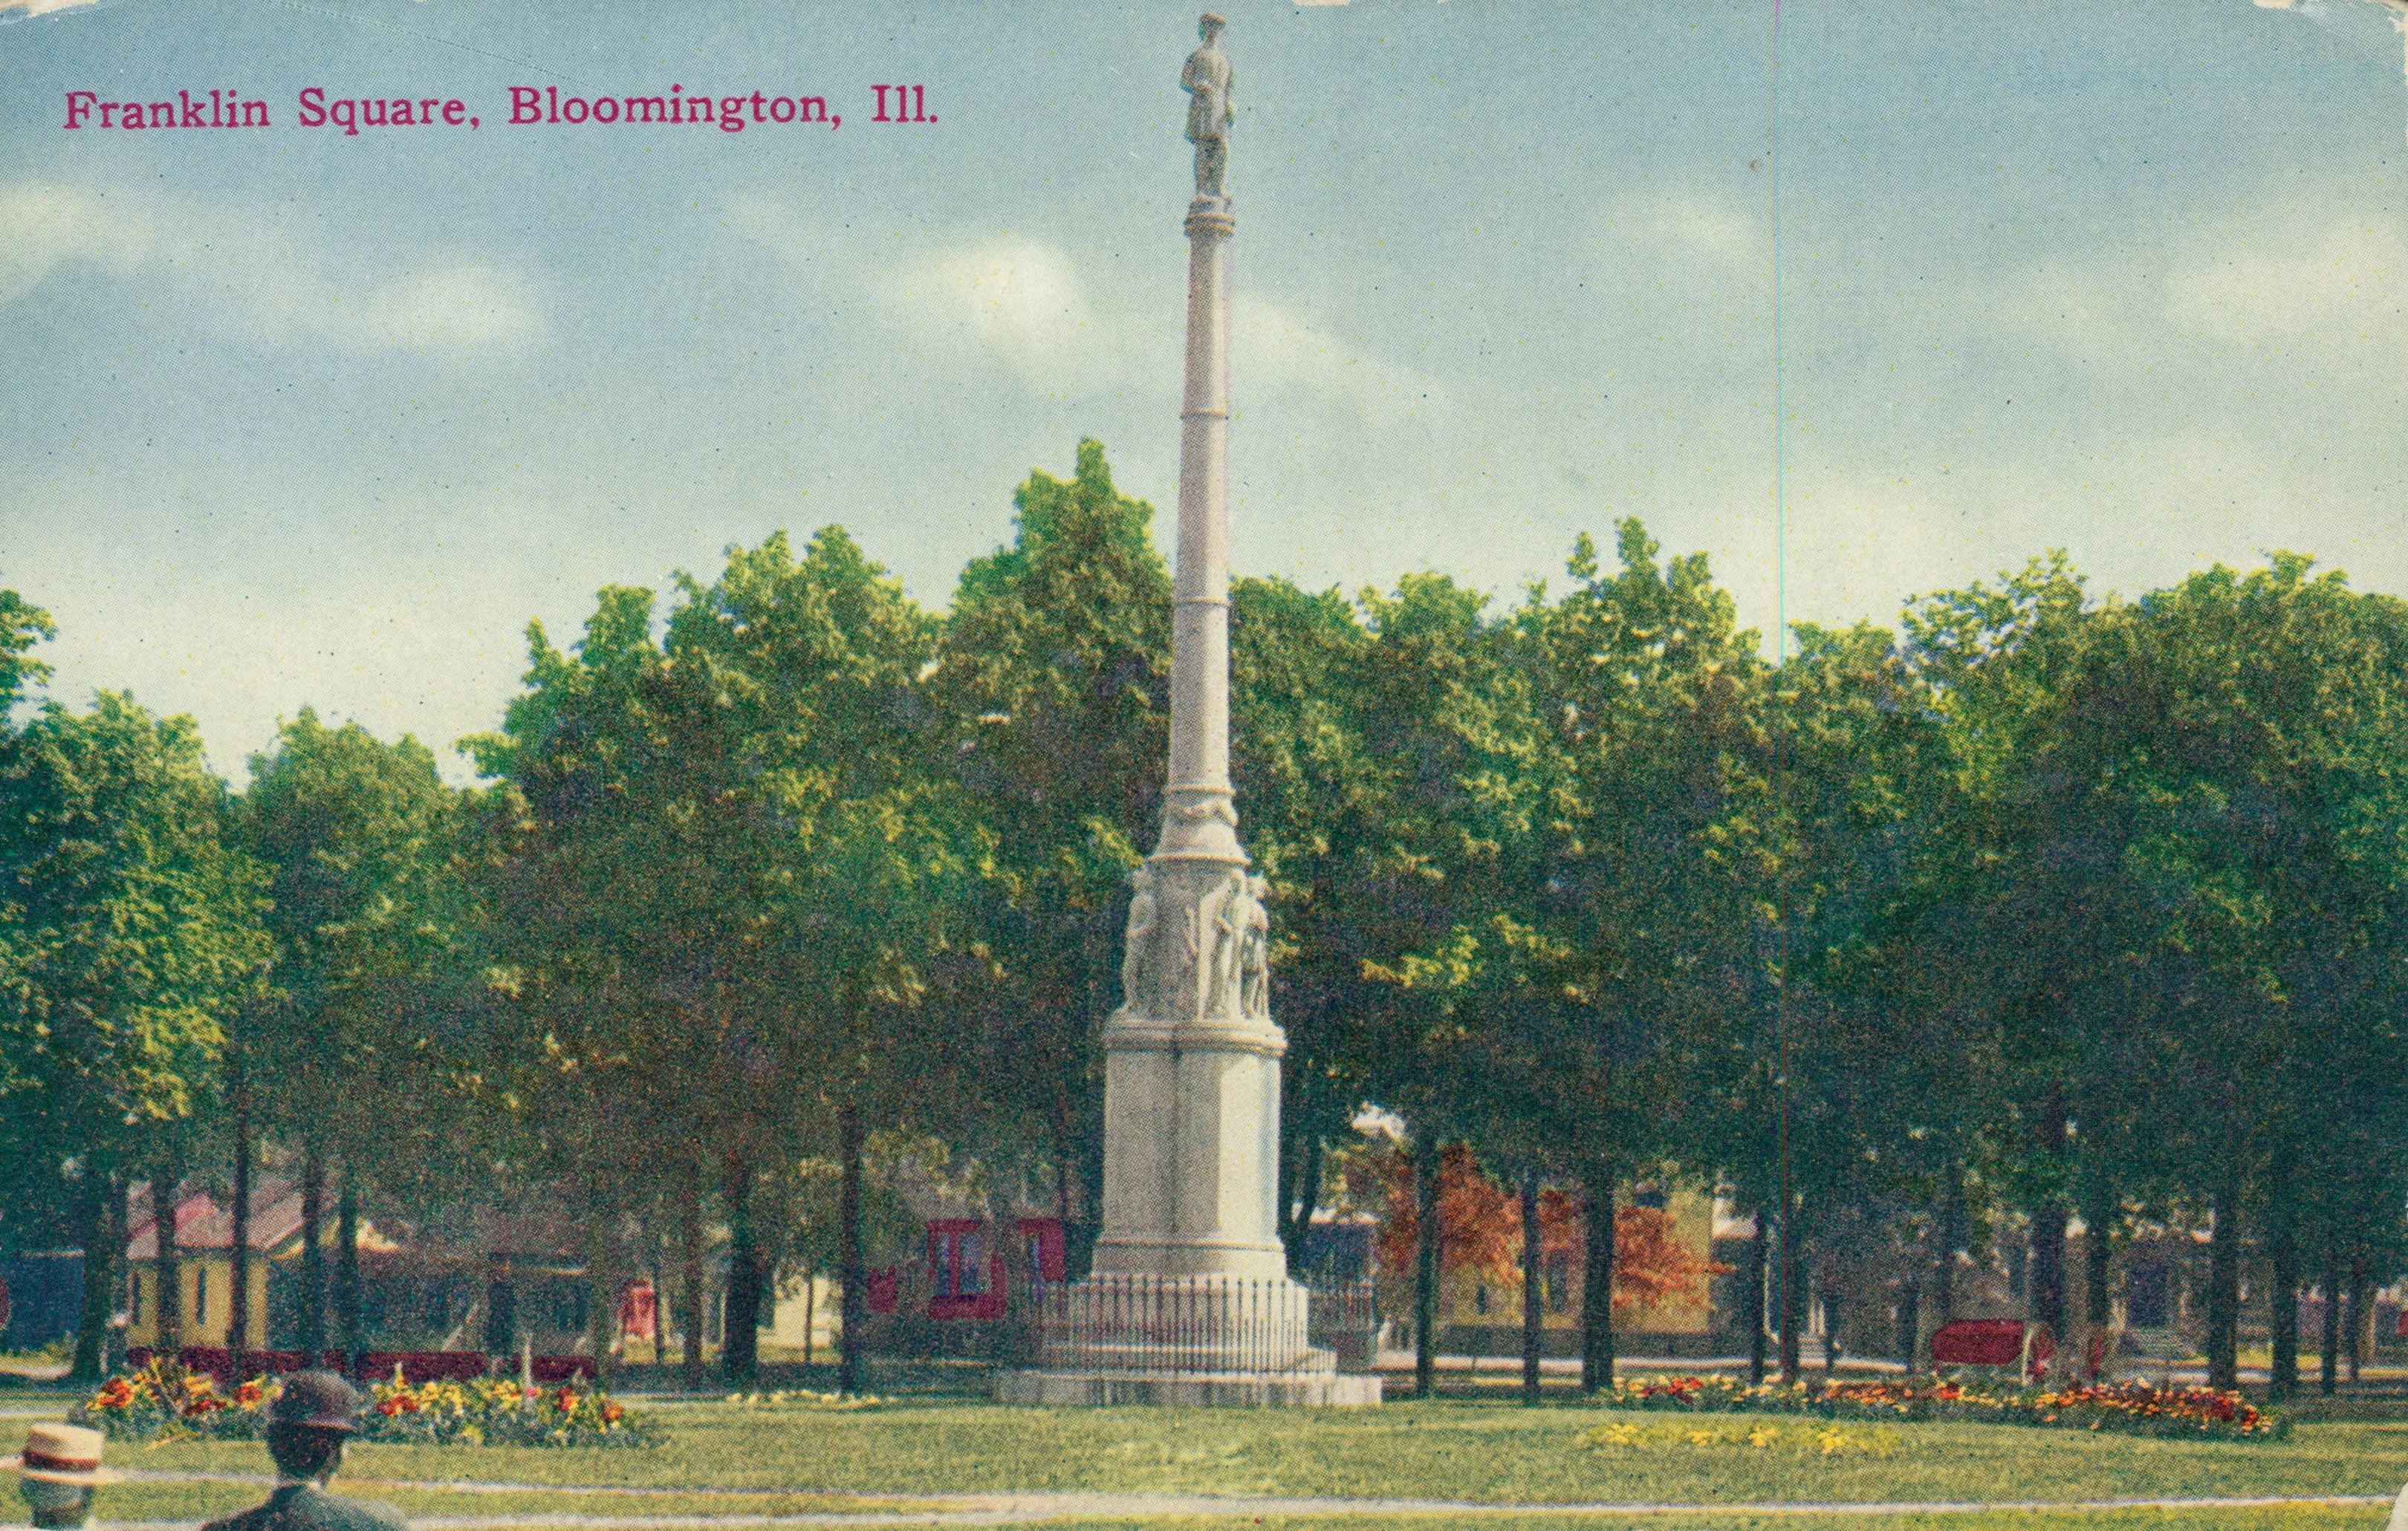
(1290, 354)
(1023, 302)
(2324, 289)
(1689, 227)
(43, 227)
(248, 274)
(2343, 278)
(1040, 314)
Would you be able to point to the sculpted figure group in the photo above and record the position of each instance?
(1217, 959)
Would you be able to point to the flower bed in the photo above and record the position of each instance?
(2135, 1409)
(493, 1411)
(803, 1397)
(163, 1403)
(458, 1364)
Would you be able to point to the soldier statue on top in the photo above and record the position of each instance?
(1206, 80)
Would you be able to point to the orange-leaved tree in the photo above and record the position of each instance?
(1480, 1231)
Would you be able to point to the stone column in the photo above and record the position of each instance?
(1191, 1081)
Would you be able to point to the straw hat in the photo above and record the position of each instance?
(63, 1454)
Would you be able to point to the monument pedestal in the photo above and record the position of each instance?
(1198, 1341)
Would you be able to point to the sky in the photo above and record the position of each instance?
(290, 416)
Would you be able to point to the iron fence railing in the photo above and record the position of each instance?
(1178, 1323)
(1345, 1322)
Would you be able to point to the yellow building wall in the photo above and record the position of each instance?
(208, 1291)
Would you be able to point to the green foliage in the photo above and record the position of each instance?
(370, 922)
(1053, 677)
(129, 929)
(22, 626)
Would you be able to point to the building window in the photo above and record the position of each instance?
(969, 1275)
(200, 1296)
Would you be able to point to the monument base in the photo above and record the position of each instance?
(1188, 1389)
(1194, 1341)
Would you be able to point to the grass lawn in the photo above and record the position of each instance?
(1486, 1451)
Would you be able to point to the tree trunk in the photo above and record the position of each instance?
(601, 1286)
(2283, 1317)
(811, 1319)
(739, 1336)
(347, 1270)
(1308, 1197)
(2224, 1289)
(690, 1283)
(852, 1358)
(1596, 1277)
(1062, 1154)
(1425, 1270)
(2328, 1353)
(2362, 1316)
(311, 1333)
(1289, 1179)
(659, 1262)
(239, 1251)
(2098, 1303)
(2048, 1268)
(1753, 1297)
(1793, 1297)
(1948, 1236)
(1534, 1311)
(1910, 1302)
(168, 1328)
(101, 1247)
(1068, 1165)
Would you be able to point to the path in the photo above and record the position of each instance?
(1032, 1509)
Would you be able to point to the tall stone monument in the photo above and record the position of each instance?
(1190, 1301)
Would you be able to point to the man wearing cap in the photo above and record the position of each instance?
(57, 1473)
(307, 1425)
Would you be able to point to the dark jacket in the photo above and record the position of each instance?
(305, 1506)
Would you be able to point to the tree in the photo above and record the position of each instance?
(867, 854)
(1450, 788)
(1826, 827)
(1310, 802)
(359, 839)
(1653, 699)
(2229, 746)
(129, 933)
(1055, 673)
(625, 863)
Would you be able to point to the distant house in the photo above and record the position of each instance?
(515, 1278)
(205, 1265)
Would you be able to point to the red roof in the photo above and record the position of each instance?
(201, 1224)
